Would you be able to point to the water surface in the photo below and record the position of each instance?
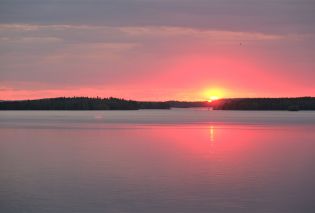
(187, 160)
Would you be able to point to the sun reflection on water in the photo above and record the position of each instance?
(211, 134)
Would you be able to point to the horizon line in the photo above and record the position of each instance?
(98, 97)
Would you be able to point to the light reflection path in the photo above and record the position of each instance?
(212, 134)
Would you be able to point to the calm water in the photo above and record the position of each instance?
(171, 161)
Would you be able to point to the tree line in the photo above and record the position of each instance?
(81, 103)
(292, 104)
(85, 103)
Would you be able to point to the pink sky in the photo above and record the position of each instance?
(148, 57)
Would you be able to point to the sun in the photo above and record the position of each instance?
(213, 98)
(213, 94)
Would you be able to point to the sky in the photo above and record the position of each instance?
(157, 49)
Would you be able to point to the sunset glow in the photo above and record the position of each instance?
(136, 56)
(214, 94)
(213, 98)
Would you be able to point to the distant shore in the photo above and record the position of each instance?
(291, 104)
(85, 103)
(81, 103)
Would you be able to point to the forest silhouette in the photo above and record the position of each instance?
(85, 103)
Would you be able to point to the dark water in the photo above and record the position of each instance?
(157, 161)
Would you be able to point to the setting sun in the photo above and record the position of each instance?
(213, 98)
(213, 94)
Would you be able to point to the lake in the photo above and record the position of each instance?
(159, 161)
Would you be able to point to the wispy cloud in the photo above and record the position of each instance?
(26, 33)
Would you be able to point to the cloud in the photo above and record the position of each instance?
(103, 33)
(29, 40)
(214, 35)
(277, 16)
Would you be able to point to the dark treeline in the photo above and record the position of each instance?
(292, 104)
(85, 103)
(188, 104)
(81, 103)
